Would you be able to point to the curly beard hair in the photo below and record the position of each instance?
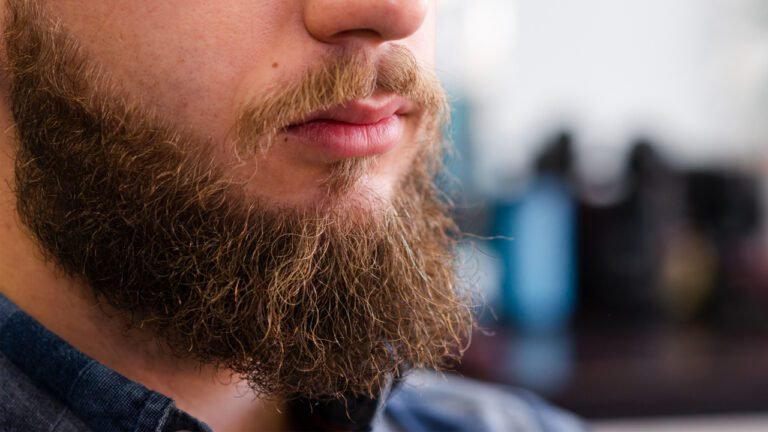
(314, 301)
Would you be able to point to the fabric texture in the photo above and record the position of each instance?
(47, 385)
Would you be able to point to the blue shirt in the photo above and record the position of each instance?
(47, 385)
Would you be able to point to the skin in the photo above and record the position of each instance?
(196, 62)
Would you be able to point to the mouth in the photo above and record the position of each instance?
(361, 128)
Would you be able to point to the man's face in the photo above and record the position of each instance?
(250, 181)
(200, 63)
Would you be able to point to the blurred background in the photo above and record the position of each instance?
(612, 164)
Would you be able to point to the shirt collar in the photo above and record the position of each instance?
(100, 397)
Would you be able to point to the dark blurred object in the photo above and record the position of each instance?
(621, 243)
(723, 203)
(557, 158)
(724, 206)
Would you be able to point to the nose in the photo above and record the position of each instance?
(378, 21)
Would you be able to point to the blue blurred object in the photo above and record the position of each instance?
(538, 281)
(538, 230)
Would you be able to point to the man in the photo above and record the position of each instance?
(220, 216)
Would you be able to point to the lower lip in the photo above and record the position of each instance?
(347, 140)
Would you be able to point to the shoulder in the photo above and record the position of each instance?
(25, 407)
(428, 401)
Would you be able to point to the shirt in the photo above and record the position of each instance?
(48, 385)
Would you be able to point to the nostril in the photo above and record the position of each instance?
(358, 33)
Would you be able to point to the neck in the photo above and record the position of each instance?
(66, 307)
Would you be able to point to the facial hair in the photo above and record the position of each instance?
(311, 301)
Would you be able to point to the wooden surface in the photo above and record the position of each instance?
(604, 373)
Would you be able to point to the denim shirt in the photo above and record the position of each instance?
(47, 385)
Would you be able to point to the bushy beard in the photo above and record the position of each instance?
(313, 301)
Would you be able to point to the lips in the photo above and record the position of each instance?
(361, 128)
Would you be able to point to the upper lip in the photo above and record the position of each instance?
(366, 111)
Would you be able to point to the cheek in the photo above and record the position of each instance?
(189, 59)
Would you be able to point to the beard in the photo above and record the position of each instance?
(313, 301)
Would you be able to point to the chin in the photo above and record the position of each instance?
(346, 184)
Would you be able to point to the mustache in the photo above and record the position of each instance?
(338, 80)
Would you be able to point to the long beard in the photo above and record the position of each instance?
(313, 301)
